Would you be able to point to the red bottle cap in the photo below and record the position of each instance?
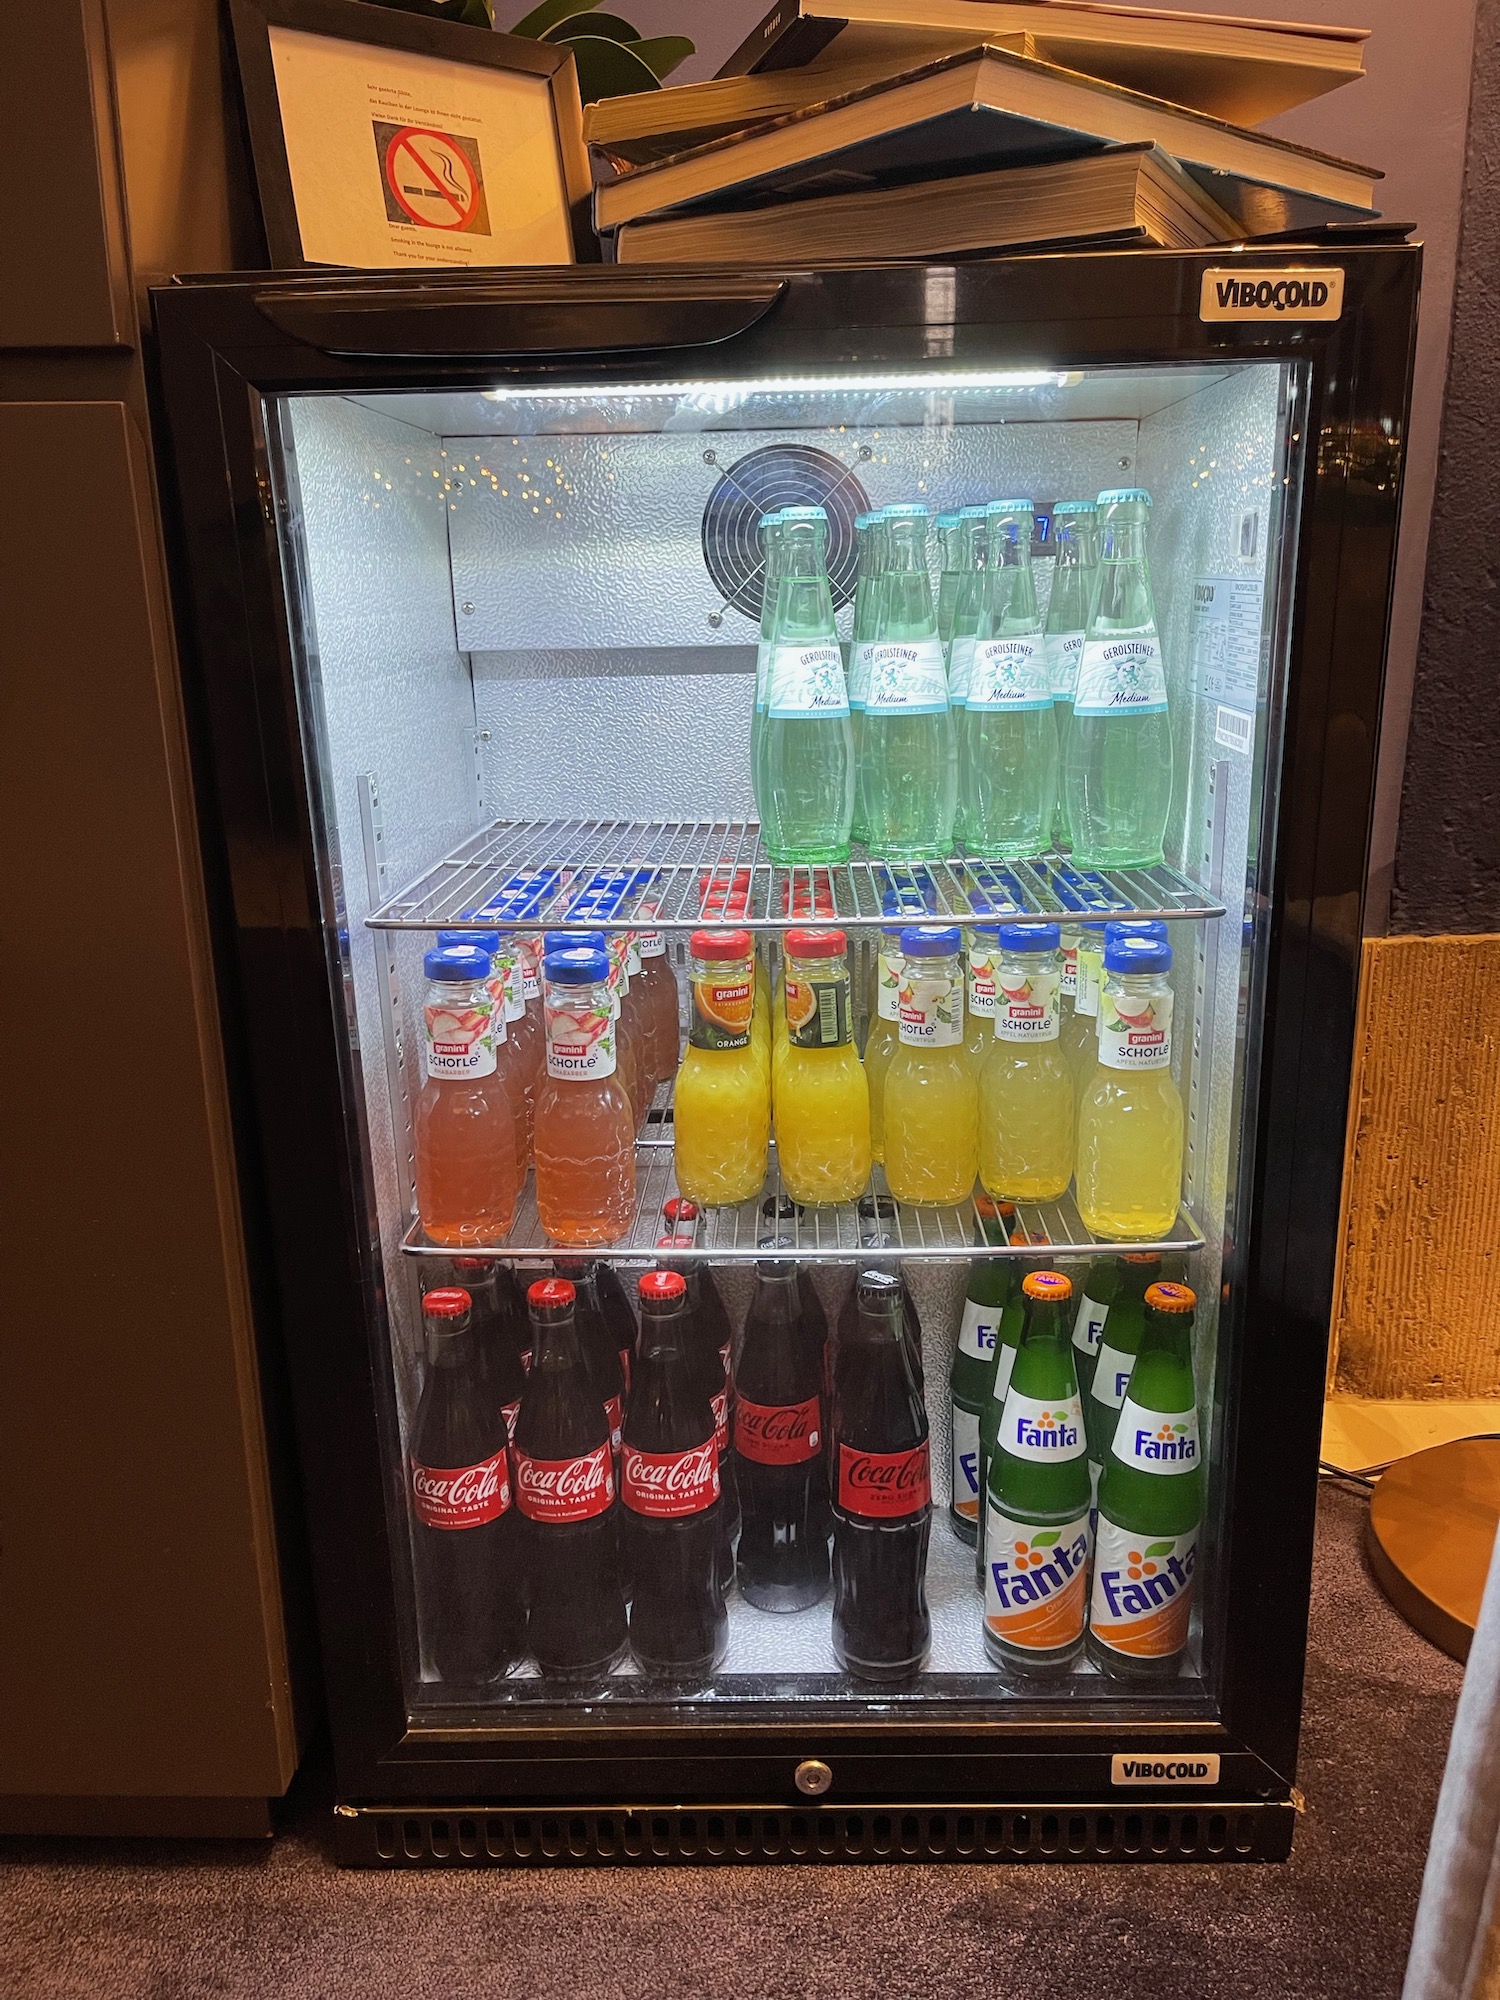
(483, 1265)
(816, 944)
(680, 1209)
(720, 944)
(447, 1302)
(550, 1292)
(1170, 1298)
(1142, 1256)
(1047, 1285)
(663, 1285)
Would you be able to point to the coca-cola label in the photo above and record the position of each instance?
(720, 1407)
(565, 1489)
(461, 1496)
(884, 1484)
(510, 1412)
(667, 1484)
(778, 1433)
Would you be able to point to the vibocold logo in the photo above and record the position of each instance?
(1295, 294)
(1178, 1770)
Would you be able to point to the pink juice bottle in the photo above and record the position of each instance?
(585, 1126)
(468, 1114)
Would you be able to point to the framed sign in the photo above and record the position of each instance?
(384, 139)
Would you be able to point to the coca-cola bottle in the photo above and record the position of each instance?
(708, 1351)
(565, 1489)
(911, 1327)
(600, 1353)
(619, 1316)
(466, 1533)
(498, 1320)
(778, 1443)
(882, 1502)
(669, 1487)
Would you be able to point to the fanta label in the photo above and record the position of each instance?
(805, 680)
(1010, 674)
(460, 1040)
(888, 986)
(1112, 1376)
(580, 1037)
(930, 1009)
(1121, 677)
(1064, 650)
(978, 1331)
(464, 1496)
(907, 677)
(1156, 1440)
(1088, 1326)
(981, 992)
(965, 1463)
(884, 1485)
(1035, 1594)
(664, 1485)
(778, 1433)
(1026, 1008)
(565, 1489)
(1143, 1590)
(1135, 1030)
(1043, 1432)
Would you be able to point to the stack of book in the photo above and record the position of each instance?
(859, 130)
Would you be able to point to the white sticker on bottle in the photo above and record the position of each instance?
(1010, 674)
(1112, 1374)
(513, 981)
(1005, 1367)
(859, 673)
(1069, 966)
(1090, 975)
(1143, 1589)
(580, 1038)
(907, 677)
(930, 1008)
(460, 1040)
(978, 1331)
(1121, 676)
(980, 991)
(1160, 1441)
(1088, 1325)
(888, 986)
(806, 680)
(652, 944)
(1027, 1005)
(1035, 1593)
(1047, 1432)
(1135, 1030)
(965, 1464)
(1064, 650)
(531, 949)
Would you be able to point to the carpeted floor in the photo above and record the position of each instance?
(125, 1920)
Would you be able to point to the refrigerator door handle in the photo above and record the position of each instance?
(518, 317)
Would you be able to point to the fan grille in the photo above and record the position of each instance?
(778, 475)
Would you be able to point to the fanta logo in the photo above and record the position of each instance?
(1051, 1432)
(1173, 1443)
(1153, 1575)
(1038, 1568)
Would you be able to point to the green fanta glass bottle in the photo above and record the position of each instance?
(1010, 738)
(809, 753)
(991, 1281)
(1118, 777)
(1036, 1527)
(1150, 1503)
(908, 760)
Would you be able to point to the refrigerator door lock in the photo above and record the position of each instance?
(813, 1777)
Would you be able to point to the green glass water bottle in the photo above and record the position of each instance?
(809, 752)
(908, 759)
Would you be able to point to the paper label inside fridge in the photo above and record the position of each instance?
(980, 993)
(907, 677)
(930, 1009)
(1047, 1431)
(1140, 1039)
(1010, 674)
(460, 1040)
(1156, 1441)
(1027, 1010)
(1034, 1594)
(1121, 677)
(884, 1485)
(1226, 649)
(978, 1330)
(1317, 293)
(1143, 1590)
(464, 1496)
(665, 1485)
(805, 680)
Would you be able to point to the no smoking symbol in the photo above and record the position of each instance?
(432, 179)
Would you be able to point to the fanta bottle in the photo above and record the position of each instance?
(1130, 1130)
(882, 1037)
(991, 1280)
(721, 1111)
(1036, 1532)
(1025, 1090)
(822, 1100)
(1150, 1503)
(1125, 1328)
(467, 1114)
(998, 1386)
(585, 1131)
(980, 955)
(931, 1101)
(1095, 1295)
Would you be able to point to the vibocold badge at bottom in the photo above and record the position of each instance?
(966, 1464)
(1143, 1590)
(1034, 1581)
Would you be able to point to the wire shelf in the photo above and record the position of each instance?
(677, 874)
(772, 1225)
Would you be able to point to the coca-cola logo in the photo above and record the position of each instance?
(464, 1496)
(778, 1433)
(565, 1489)
(888, 1484)
(667, 1484)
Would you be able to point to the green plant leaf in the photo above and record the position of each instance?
(546, 16)
(662, 53)
(1158, 1549)
(592, 22)
(607, 69)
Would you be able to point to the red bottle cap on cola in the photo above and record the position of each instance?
(550, 1292)
(716, 945)
(816, 944)
(1047, 1285)
(482, 1264)
(680, 1209)
(663, 1285)
(447, 1302)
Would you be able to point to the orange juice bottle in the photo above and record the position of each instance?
(722, 1108)
(467, 1115)
(822, 1099)
(585, 1129)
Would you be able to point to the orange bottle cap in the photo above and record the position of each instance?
(1170, 1298)
(1047, 1285)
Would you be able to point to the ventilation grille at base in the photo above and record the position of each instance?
(429, 1837)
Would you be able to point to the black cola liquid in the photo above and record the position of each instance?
(778, 1445)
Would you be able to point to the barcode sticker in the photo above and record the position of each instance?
(1234, 729)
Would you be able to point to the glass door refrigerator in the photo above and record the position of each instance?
(471, 592)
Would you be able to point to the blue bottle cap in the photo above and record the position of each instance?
(1010, 507)
(1137, 954)
(574, 941)
(1147, 927)
(579, 965)
(1075, 507)
(486, 941)
(804, 514)
(458, 964)
(930, 940)
(1030, 937)
(1114, 495)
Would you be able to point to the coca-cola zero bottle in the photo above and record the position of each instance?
(466, 1534)
(565, 1489)
(882, 1501)
(669, 1486)
(778, 1443)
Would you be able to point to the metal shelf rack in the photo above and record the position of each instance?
(677, 874)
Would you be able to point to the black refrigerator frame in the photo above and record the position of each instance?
(1009, 1785)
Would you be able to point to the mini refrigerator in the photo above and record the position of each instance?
(469, 582)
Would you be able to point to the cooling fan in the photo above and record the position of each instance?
(778, 475)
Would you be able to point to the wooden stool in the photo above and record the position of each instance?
(1430, 1532)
